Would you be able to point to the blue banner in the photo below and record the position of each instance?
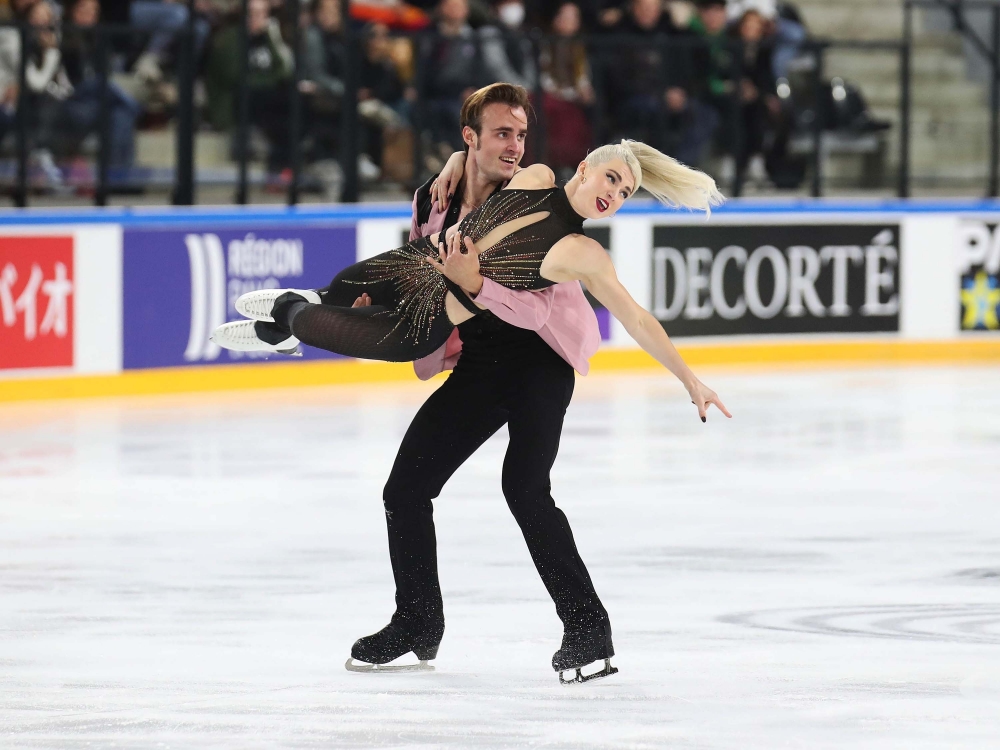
(180, 284)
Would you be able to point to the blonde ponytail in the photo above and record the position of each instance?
(668, 180)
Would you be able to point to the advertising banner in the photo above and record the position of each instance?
(36, 305)
(979, 265)
(180, 284)
(809, 278)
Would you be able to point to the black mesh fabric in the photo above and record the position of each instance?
(373, 332)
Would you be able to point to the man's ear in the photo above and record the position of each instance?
(470, 138)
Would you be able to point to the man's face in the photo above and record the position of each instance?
(258, 13)
(647, 13)
(456, 11)
(328, 16)
(714, 18)
(500, 145)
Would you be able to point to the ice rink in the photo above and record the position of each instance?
(823, 571)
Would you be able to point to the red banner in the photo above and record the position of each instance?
(36, 302)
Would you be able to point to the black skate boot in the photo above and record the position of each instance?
(374, 652)
(581, 647)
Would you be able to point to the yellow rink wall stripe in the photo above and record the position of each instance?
(239, 377)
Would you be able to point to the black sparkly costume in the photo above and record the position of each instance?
(407, 319)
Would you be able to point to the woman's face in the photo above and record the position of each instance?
(603, 188)
(567, 20)
(40, 16)
(752, 27)
(86, 13)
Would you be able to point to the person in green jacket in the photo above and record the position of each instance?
(269, 68)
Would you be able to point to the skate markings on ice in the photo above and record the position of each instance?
(954, 623)
(821, 571)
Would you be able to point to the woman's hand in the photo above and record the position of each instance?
(461, 266)
(702, 396)
(363, 301)
(444, 187)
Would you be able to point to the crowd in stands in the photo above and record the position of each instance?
(692, 77)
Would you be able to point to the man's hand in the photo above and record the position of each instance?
(363, 301)
(461, 266)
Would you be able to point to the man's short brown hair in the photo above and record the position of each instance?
(496, 93)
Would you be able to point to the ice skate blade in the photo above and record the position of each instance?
(359, 666)
(579, 678)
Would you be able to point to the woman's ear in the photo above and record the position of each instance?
(581, 170)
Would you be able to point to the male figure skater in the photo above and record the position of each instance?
(512, 364)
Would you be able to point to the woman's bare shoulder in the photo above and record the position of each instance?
(535, 177)
(575, 257)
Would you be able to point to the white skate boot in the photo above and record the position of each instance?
(257, 305)
(242, 336)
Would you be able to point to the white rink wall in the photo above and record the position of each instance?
(849, 269)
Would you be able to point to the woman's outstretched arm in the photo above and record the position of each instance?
(585, 260)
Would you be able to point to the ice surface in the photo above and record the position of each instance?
(821, 572)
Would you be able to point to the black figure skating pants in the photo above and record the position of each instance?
(528, 393)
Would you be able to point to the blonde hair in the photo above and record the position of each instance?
(668, 180)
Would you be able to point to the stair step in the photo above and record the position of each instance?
(156, 148)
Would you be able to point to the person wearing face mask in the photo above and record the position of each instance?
(507, 49)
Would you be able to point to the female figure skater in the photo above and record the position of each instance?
(527, 236)
(516, 256)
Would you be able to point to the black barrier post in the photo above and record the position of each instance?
(103, 119)
(819, 113)
(184, 167)
(417, 111)
(21, 120)
(905, 104)
(541, 124)
(242, 108)
(349, 119)
(740, 158)
(295, 104)
(994, 186)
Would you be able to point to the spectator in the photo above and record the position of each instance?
(269, 62)
(383, 100)
(785, 30)
(454, 68)
(163, 20)
(81, 111)
(714, 58)
(323, 54)
(10, 64)
(761, 106)
(651, 82)
(568, 91)
(323, 64)
(47, 87)
(507, 51)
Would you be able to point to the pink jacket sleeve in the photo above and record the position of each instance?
(414, 227)
(521, 308)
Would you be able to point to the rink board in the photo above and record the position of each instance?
(104, 302)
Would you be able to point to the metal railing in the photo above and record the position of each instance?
(599, 50)
(988, 50)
